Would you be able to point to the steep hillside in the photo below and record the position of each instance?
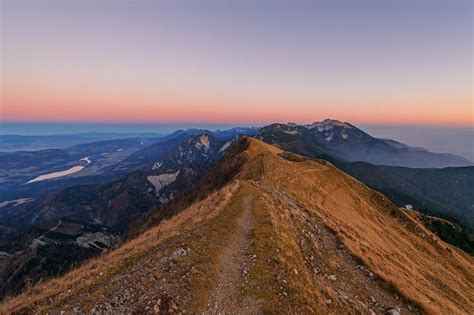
(48, 250)
(285, 234)
(444, 191)
(447, 191)
(448, 231)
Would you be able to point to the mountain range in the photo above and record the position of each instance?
(270, 232)
(137, 185)
(345, 142)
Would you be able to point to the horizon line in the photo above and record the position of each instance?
(235, 124)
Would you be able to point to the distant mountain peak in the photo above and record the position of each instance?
(346, 142)
(328, 124)
(203, 142)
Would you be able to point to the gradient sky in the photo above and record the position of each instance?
(379, 62)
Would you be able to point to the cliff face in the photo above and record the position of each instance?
(282, 233)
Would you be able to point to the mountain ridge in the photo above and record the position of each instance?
(404, 185)
(319, 241)
(346, 142)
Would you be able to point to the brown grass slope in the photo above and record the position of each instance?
(284, 235)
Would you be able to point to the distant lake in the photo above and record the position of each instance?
(69, 171)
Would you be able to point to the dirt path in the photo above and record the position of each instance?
(225, 299)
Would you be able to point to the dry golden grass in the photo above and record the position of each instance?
(55, 294)
(310, 222)
(395, 247)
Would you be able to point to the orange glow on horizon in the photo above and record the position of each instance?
(90, 112)
(62, 104)
(172, 63)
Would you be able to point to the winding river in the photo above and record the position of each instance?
(69, 171)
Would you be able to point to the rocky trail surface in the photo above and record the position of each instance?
(234, 269)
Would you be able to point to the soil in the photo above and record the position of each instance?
(232, 270)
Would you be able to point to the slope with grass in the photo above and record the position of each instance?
(445, 192)
(284, 234)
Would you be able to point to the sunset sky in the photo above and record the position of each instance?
(370, 62)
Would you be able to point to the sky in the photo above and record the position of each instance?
(237, 62)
